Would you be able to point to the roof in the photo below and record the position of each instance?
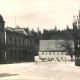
(19, 30)
(22, 30)
(51, 45)
(1, 18)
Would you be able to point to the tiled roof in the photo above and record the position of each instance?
(51, 45)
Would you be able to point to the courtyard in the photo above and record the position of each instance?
(40, 71)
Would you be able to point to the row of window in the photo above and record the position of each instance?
(52, 53)
(17, 51)
(20, 41)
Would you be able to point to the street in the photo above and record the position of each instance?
(40, 71)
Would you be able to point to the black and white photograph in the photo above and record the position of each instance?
(39, 39)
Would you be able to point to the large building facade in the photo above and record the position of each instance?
(16, 44)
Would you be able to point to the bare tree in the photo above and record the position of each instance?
(69, 47)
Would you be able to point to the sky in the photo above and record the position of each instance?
(44, 14)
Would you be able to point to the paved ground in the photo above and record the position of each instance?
(41, 71)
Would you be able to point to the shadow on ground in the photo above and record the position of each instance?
(7, 74)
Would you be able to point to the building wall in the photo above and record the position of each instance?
(56, 56)
(2, 41)
(14, 46)
(17, 47)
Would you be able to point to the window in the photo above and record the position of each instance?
(49, 52)
(52, 59)
(29, 41)
(10, 41)
(42, 53)
(61, 52)
(26, 42)
(61, 58)
(15, 41)
(22, 41)
(33, 42)
(19, 41)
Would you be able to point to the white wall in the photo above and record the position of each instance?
(53, 55)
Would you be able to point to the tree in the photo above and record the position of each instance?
(36, 37)
(69, 47)
(67, 27)
(55, 28)
(27, 29)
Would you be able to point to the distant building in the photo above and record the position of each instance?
(16, 44)
(52, 50)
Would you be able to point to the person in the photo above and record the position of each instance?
(36, 62)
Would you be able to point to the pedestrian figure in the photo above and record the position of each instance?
(36, 62)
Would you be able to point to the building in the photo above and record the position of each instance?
(2, 40)
(53, 50)
(16, 44)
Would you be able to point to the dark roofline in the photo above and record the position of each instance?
(15, 32)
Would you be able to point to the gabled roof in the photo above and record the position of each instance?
(51, 45)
